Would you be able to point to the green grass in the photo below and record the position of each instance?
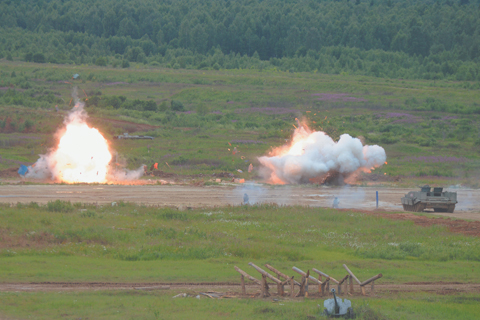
(194, 143)
(64, 242)
(152, 239)
(132, 304)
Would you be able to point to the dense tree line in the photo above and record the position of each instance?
(442, 38)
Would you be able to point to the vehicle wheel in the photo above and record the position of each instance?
(350, 314)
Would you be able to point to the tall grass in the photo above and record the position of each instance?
(131, 232)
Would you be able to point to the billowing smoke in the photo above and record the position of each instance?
(314, 156)
(125, 174)
(82, 154)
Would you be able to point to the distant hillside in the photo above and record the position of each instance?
(388, 38)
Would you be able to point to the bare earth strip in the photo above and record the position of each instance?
(183, 196)
(232, 288)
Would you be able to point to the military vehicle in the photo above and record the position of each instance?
(338, 308)
(438, 200)
(127, 136)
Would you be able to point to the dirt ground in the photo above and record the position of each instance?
(190, 196)
(234, 289)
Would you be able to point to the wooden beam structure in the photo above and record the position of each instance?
(280, 284)
(280, 274)
(300, 272)
(246, 275)
(325, 275)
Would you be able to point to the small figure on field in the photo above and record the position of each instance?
(245, 198)
(336, 202)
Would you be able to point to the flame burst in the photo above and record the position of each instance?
(82, 155)
(312, 156)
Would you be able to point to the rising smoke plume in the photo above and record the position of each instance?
(314, 156)
(82, 154)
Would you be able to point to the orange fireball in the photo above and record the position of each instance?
(82, 155)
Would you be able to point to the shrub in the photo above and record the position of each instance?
(163, 106)
(176, 105)
(28, 124)
(28, 56)
(39, 58)
(150, 105)
(88, 214)
(101, 61)
(59, 206)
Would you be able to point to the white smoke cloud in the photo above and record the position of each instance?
(125, 174)
(314, 155)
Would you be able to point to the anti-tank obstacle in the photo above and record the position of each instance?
(364, 283)
(280, 284)
(345, 285)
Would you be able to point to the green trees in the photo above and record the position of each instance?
(68, 31)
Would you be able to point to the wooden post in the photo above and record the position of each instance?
(292, 288)
(280, 274)
(328, 286)
(325, 275)
(363, 291)
(306, 285)
(324, 284)
(265, 287)
(301, 293)
(351, 273)
(371, 280)
(320, 286)
(263, 294)
(304, 274)
(266, 274)
(280, 289)
(340, 284)
(373, 287)
(244, 292)
(246, 275)
(350, 281)
(378, 276)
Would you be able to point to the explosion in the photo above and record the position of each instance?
(312, 156)
(82, 154)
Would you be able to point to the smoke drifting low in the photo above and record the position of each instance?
(314, 156)
(82, 154)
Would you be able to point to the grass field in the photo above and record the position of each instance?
(73, 243)
(429, 129)
(141, 305)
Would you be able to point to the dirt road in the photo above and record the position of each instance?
(234, 289)
(183, 196)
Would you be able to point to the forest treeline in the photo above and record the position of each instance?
(388, 38)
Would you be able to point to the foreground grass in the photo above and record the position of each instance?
(160, 305)
(62, 241)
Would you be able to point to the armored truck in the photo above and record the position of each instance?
(426, 198)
